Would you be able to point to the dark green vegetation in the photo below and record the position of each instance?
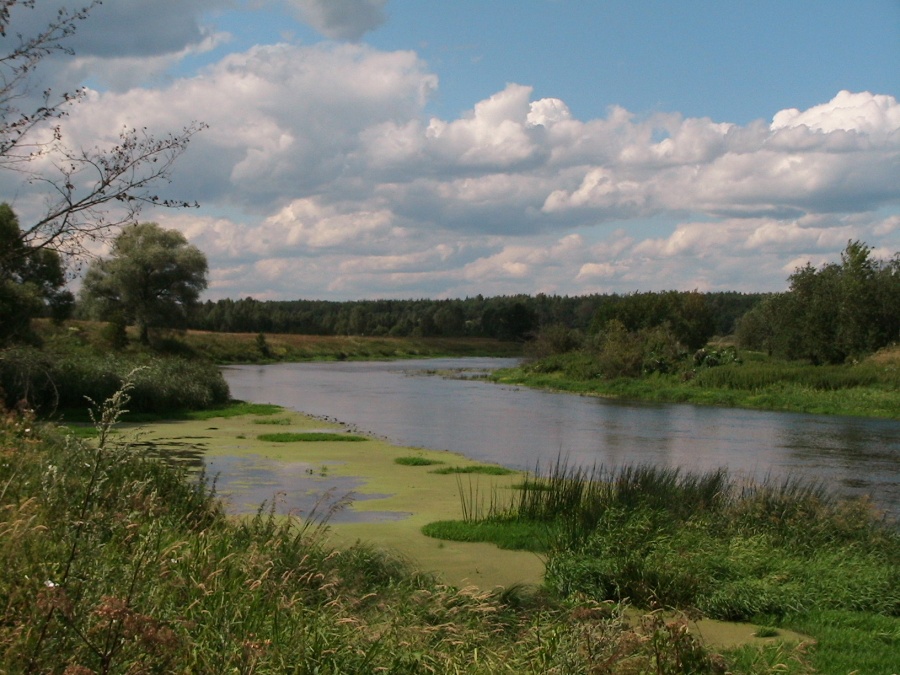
(415, 460)
(486, 469)
(829, 315)
(505, 318)
(32, 281)
(309, 436)
(52, 382)
(780, 554)
(825, 346)
(152, 278)
(117, 562)
(870, 388)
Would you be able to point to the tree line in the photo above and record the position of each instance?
(515, 317)
(840, 311)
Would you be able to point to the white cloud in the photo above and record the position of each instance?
(321, 170)
(860, 112)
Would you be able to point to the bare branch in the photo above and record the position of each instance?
(89, 192)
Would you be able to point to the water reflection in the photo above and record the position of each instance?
(248, 484)
(521, 428)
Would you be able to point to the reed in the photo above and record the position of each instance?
(732, 549)
(50, 381)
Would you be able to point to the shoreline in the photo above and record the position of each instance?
(412, 490)
(384, 487)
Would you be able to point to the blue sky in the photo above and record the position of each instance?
(403, 148)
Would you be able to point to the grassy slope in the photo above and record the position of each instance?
(242, 347)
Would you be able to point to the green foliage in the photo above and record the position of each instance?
(416, 460)
(116, 562)
(32, 281)
(309, 436)
(50, 381)
(554, 339)
(486, 469)
(513, 535)
(687, 316)
(502, 317)
(152, 279)
(832, 314)
(263, 346)
(870, 388)
(733, 550)
(850, 642)
(278, 421)
(615, 351)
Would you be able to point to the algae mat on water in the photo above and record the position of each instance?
(390, 502)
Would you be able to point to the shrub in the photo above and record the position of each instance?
(49, 381)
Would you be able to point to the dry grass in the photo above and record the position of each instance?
(887, 356)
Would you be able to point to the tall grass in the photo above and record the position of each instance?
(756, 376)
(51, 381)
(732, 549)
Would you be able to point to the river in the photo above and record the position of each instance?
(411, 404)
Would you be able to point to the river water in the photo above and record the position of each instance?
(412, 404)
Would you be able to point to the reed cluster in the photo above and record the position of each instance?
(732, 549)
(50, 381)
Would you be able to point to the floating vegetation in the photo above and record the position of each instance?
(488, 469)
(280, 421)
(416, 460)
(309, 436)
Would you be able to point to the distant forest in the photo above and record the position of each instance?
(515, 317)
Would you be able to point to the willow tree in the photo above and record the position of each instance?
(152, 279)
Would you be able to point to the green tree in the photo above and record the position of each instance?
(830, 314)
(153, 277)
(32, 281)
(687, 315)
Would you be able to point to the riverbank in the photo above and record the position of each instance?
(870, 388)
(115, 561)
(389, 503)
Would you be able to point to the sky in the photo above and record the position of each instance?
(408, 149)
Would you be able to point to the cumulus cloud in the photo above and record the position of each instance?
(341, 19)
(859, 112)
(325, 154)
